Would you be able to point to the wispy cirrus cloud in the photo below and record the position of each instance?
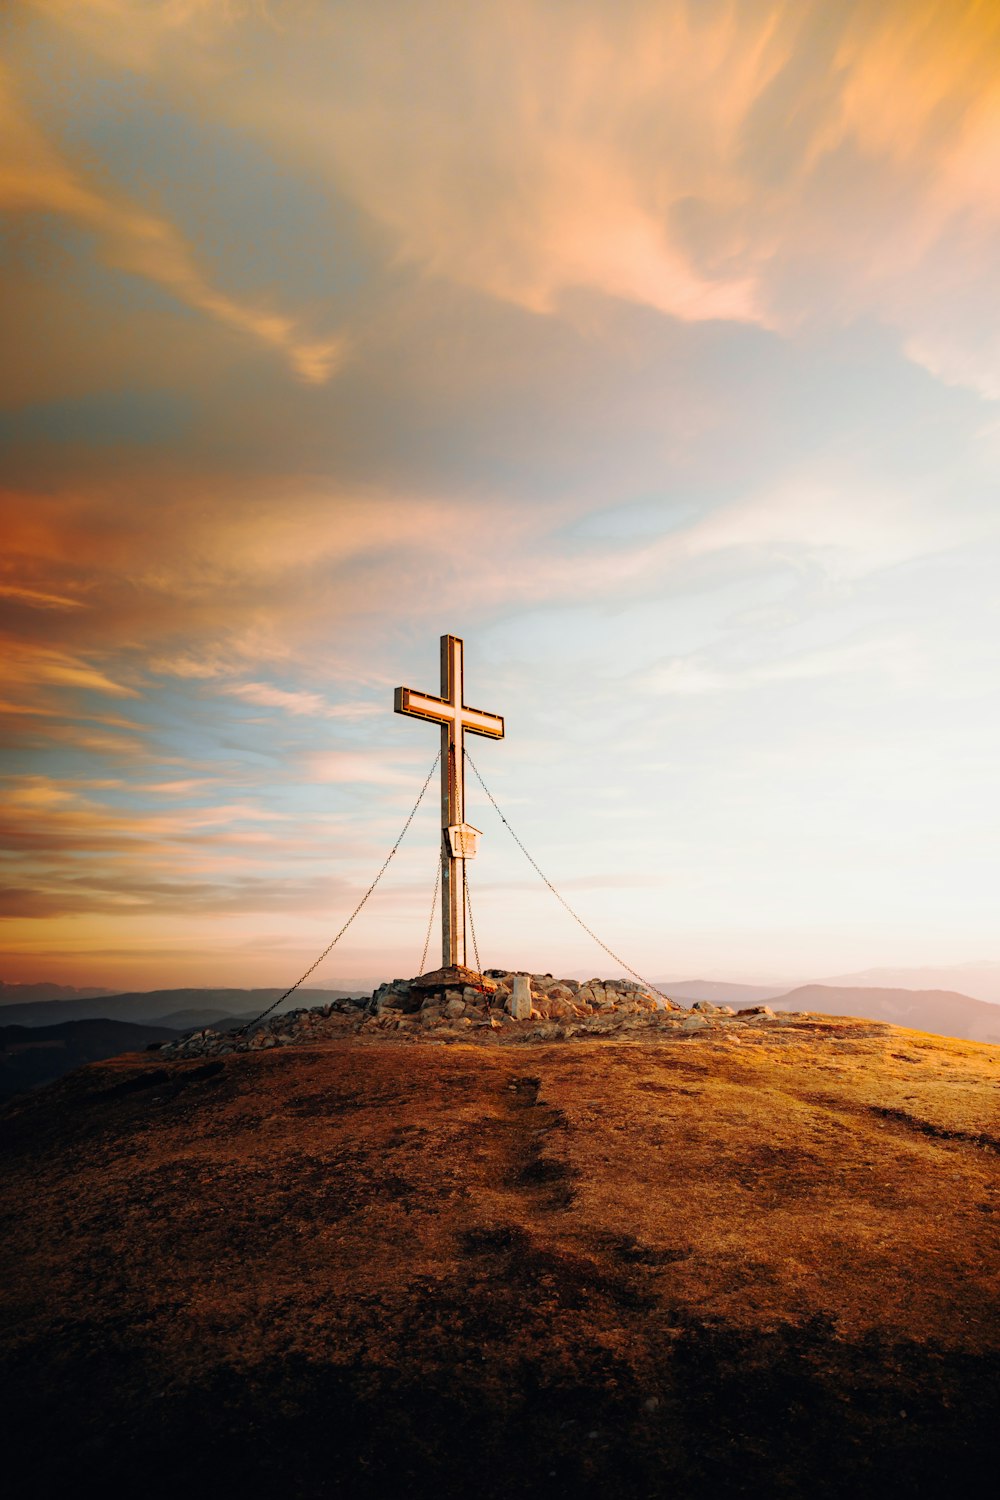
(704, 674)
(204, 579)
(223, 856)
(37, 598)
(374, 767)
(31, 665)
(779, 164)
(37, 178)
(297, 701)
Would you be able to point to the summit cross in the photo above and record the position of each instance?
(458, 838)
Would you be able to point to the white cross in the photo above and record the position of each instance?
(456, 719)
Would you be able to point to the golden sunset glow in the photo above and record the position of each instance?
(653, 348)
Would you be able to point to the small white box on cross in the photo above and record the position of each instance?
(462, 840)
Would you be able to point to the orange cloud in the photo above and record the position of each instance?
(181, 788)
(533, 155)
(228, 858)
(772, 163)
(37, 598)
(297, 701)
(379, 768)
(40, 665)
(35, 177)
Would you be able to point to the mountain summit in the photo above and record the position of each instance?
(756, 1260)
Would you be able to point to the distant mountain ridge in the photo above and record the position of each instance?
(13, 994)
(199, 1007)
(980, 980)
(942, 1012)
(719, 991)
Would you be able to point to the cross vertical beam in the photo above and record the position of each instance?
(457, 838)
(452, 804)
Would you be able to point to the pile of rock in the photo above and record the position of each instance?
(454, 992)
(289, 1028)
(457, 1002)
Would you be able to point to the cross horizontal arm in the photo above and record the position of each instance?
(476, 722)
(423, 706)
(440, 711)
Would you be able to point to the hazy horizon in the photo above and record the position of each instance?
(651, 347)
(975, 981)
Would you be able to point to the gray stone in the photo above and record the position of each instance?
(519, 1003)
(392, 1000)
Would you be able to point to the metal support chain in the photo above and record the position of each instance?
(330, 946)
(561, 899)
(430, 920)
(472, 925)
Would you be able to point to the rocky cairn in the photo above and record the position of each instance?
(454, 1003)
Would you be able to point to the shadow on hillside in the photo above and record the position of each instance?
(797, 1412)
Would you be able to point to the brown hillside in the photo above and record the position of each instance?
(693, 1266)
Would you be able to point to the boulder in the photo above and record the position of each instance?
(560, 1008)
(399, 996)
(389, 1001)
(519, 1003)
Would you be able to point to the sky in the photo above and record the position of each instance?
(652, 348)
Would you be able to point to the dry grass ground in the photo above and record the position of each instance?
(763, 1261)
